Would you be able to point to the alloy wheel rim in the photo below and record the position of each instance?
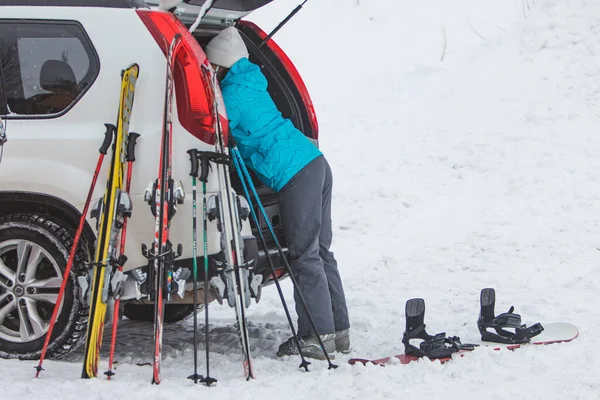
(30, 279)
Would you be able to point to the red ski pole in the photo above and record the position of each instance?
(103, 149)
(130, 159)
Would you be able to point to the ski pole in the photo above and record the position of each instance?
(204, 165)
(110, 129)
(281, 24)
(238, 156)
(193, 153)
(205, 157)
(122, 259)
(304, 364)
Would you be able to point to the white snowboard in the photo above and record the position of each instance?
(554, 332)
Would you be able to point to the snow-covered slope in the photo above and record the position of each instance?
(464, 144)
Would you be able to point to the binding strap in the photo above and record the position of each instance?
(521, 335)
(432, 346)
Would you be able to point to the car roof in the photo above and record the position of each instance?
(77, 3)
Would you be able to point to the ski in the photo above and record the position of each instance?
(163, 195)
(233, 272)
(110, 211)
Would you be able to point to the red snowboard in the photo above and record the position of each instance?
(553, 333)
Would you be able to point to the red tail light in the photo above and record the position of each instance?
(192, 86)
(292, 71)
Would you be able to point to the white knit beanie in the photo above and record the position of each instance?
(226, 48)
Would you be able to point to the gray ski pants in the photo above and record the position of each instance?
(305, 209)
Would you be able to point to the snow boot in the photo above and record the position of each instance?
(310, 347)
(342, 341)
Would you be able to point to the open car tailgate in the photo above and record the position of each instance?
(221, 12)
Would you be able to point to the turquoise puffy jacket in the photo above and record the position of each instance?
(269, 144)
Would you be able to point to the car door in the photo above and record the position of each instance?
(48, 66)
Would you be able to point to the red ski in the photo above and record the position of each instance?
(163, 195)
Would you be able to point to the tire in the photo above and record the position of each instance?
(145, 312)
(26, 300)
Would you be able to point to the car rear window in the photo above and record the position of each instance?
(47, 66)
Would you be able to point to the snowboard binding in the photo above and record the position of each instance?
(509, 320)
(432, 346)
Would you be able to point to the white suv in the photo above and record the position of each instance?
(60, 70)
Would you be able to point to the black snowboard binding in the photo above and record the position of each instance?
(432, 346)
(522, 333)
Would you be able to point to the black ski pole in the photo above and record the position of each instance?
(281, 24)
(204, 169)
(304, 364)
(194, 173)
(238, 158)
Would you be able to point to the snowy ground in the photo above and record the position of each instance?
(464, 143)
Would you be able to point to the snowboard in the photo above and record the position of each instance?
(497, 331)
(556, 332)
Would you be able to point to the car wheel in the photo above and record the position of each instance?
(145, 312)
(34, 251)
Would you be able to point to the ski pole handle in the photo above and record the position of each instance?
(131, 146)
(204, 166)
(110, 128)
(194, 160)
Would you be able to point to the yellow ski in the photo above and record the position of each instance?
(110, 212)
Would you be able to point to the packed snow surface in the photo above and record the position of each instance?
(464, 140)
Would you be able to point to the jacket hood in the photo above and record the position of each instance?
(245, 73)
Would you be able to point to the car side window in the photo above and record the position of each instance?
(47, 65)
